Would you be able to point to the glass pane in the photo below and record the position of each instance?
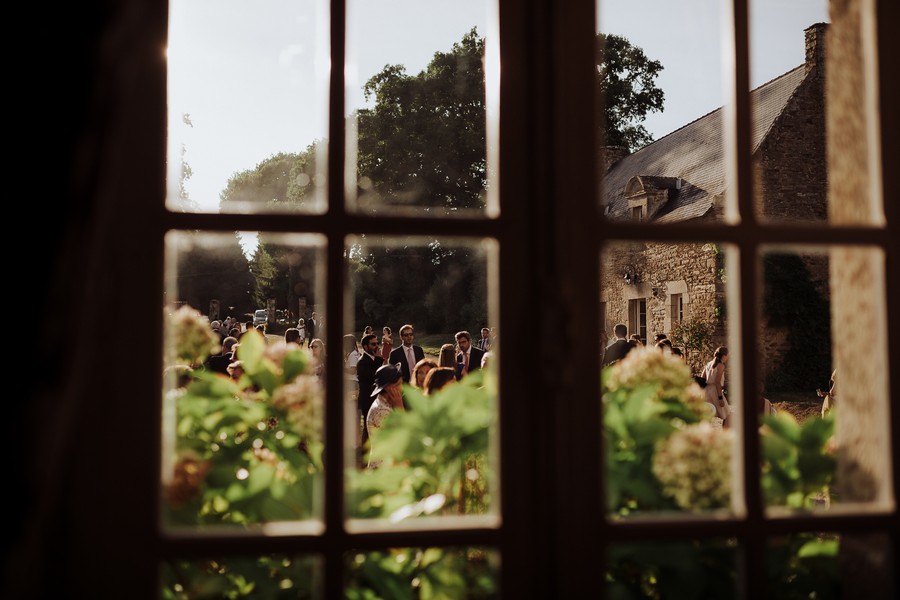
(830, 565)
(825, 445)
(670, 391)
(266, 577)
(242, 431)
(673, 569)
(660, 131)
(248, 100)
(424, 445)
(424, 573)
(787, 52)
(417, 101)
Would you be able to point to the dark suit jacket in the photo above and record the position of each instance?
(365, 374)
(398, 355)
(475, 356)
(616, 351)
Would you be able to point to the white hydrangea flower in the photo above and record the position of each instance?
(693, 466)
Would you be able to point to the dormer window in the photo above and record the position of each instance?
(637, 212)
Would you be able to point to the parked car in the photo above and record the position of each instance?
(260, 317)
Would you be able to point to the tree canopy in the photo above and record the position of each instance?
(626, 80)
(422, 143)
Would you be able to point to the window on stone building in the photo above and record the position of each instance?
(637, 317)
(677, 308)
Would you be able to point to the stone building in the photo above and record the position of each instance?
(681, 178)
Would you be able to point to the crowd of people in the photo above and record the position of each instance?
(711, 379)
(375, 375)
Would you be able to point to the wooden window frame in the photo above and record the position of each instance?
(100, 534)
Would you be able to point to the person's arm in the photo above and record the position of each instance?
(720, 376)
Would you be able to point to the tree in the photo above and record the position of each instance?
(262, 268)
(212, 267)
(626, 82)
(423, 142)
(283, 181)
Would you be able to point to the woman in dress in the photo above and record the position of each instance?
(714, 375)
(301, 326)
(317, 349)
(387, 343)
(351, 383)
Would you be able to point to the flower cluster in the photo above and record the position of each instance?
(668, 374)
(192, 339)
(693, 466)
(303, 402)
(187, 479)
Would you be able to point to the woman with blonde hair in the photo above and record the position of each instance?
(420, 371)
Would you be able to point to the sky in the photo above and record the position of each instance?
(253, 76)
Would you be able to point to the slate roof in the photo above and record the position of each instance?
(696, 154)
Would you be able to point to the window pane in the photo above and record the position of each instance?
(787, 47)
(417, 101)
(673, 569)
(248, 99)
(424, 446)
(242, 432)
(669, 404)
(830, 565)
(424, 573)
(827, 444)
(660, 128)
(269, 577)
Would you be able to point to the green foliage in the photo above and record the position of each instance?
(643, 410)
(422, 574)
(792, 299)
(270, 577)
(282, 181)
(637, 416)
(250, 452)
(690, 570)
(423, 142)
(626, 80)
(804, 565)
(695, 336)
(798, 461)
(433, 456)
(213, 267)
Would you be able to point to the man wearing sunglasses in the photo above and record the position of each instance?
(407, 354)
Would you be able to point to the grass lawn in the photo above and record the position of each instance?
(432, 343)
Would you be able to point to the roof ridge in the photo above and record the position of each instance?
(715, 110)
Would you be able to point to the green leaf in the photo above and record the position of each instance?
(293, 365)
(251, 349)
(828, 548)
(261, 477)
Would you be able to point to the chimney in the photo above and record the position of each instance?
(815, 48)
(610, 155)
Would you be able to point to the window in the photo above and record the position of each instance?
(98, 484)
(637, 317)
(677, 311)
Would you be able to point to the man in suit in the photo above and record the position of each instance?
(368, 363)
(485, 342)
(312, 327)
(407, 354)
(469, 356)
(620, 347)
